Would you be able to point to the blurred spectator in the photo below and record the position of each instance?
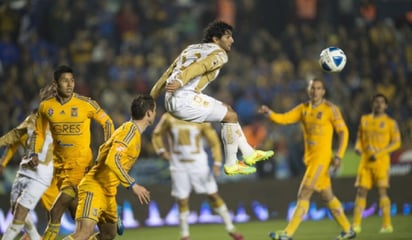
(60, 23)
(9, 52)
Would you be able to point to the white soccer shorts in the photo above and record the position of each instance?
(26, 191)
(195, 107)
(184, 181)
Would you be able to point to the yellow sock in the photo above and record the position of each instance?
(360, 204)
(300, 210)
(385, 205)
(336, 209)
(51, 231)
(68, 238)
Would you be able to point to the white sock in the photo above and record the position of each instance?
(230, 143)
(244, 146)
(31, 229)
(12, 231)
(184, 223)
(224, 213)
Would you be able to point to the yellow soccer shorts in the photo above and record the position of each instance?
(50, 195)
(317, 176)
(95, 205)
(72, 173)
(369, 176)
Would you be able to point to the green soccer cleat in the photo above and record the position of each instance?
(384, 230)
(258, 155)
(346, 235)
(279, 235)
(357, 229)
(239, 168)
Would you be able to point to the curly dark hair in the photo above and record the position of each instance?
(215, 29)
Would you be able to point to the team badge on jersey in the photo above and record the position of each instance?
(319, 115)
(382, 125)
(50, 112)
(74, 112)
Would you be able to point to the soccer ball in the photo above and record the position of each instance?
(332, 59)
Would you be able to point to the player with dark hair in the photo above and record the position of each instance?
(186, 78)
(69, 117)
(378, 136)
(98, 189)
(319, 119)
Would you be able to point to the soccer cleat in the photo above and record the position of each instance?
(388, 229)
(120, 226)
(236, 236)
(185, 238)
(346, 235)
(357, 229)
(239, 168)
(258, 155)
(279, 235)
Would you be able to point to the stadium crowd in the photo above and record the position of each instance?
(120, 48)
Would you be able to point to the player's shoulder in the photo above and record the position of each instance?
(126, 131)
(366, 116)
(86, 100)
(49, 100)
(82, 98)
(130, 127)
(330, 104)
(390, 119)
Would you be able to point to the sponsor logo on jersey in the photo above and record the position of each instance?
(66, 128)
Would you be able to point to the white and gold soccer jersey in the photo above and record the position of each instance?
(30, 183)
(194, 68)
(189, 160)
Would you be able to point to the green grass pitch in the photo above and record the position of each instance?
(309, 230)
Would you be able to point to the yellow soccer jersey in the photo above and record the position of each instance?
(185, 140)
(116, 157)
(70, 127)
(378, 135)
(195, 67)
(318, 124)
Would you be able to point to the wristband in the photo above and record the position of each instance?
(219, 164)
(131, 185)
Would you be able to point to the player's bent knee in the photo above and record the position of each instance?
(231, 116)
